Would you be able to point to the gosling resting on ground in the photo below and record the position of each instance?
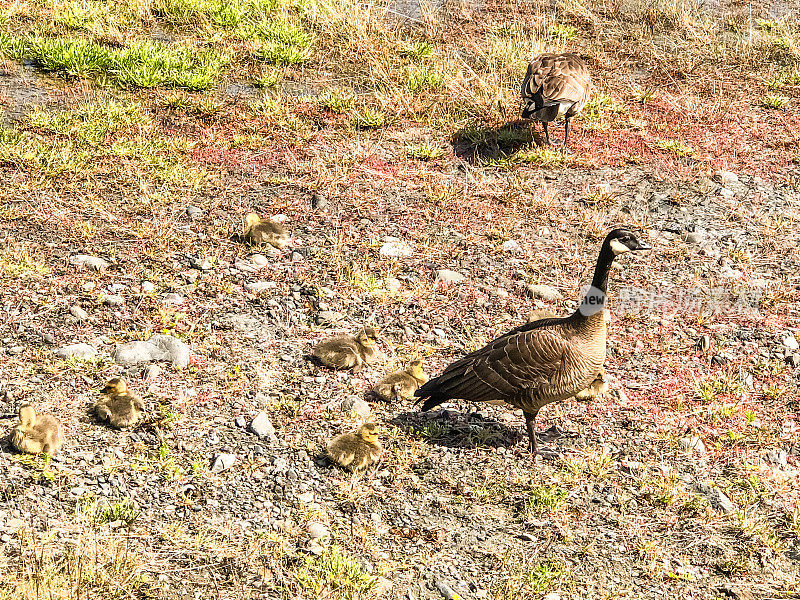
(37, 433)
(546, 361)
(555, 85)
(119, 407)
(348, 351)
(401, 385)
(358, 450)
(265, 231)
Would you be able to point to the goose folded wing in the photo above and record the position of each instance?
(504, 369)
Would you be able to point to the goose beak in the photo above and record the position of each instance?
(643, 246)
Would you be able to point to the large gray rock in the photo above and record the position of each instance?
(715, 496)
(158, 347)
(317, 530)
(81, 351)
(94, 263)
(222, 462)
(263, 427)
(447, 276)
(357, 406)
(544, 292)
(396, 249)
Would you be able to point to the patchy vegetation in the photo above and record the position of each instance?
(137, 134)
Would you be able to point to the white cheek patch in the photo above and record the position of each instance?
(618, 247)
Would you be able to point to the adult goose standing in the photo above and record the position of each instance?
(546, 361)
(555, 85)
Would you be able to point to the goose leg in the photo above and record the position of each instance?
(546, 133)
(530, 422)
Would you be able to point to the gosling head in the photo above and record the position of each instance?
(367, 337)
(252, 219)
(624, 240)
(115, 386)
(369, 432)
(27, 416)
(416, 371)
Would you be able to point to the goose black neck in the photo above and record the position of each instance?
(595, 299)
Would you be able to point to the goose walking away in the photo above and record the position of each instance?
(546, 361)
(555, 85)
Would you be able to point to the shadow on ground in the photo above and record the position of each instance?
(477, 142)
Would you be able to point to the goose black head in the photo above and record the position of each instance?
(624, 240)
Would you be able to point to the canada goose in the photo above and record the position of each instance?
(596, 389)
(348, 351)
(119, 407)
(37, 433)
(555, 85)
(401, 385)
(265, 231)
(358, 450)
(541, 362)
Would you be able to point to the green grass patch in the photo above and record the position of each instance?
(676, 147)
(28, 153)
(774, 101)
(423, 78)
(337, 100)
(424, 152)
(100, 513)
(90, 123)
(545, 498)
(333, 573)
(143, 64)
(543, 156)
(369, 118)
(416, 49)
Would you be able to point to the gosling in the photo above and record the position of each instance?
(119, 407)
(37, 433)
(265, 231)
(358, 450)
(401, 385)
(348, 352)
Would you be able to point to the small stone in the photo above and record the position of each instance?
(194, 212)
(552, 596)
(259, 260)
(77, 312)
(716, 498)
(544, 292)
(14, 350)
(318, 201)
(148, 287)
(356, 405)
(328, 316)
(172, 298)
(447, 276)
(260, 286)
(726, 193)
(726, 177)
(90, 262)
(791, 343)
(222, 462)
(692, 443)
(793, 360)
(512, 246)
(727, 272)
(393, 284)
(113, 300)
(240, 421)
(296, 257)
(317, 530)
(177, 351)
(777, 457)
(382, 587)
(151, 372)
(396, 249)
(202, 263)
(719, 360)
(79, 351)
(446, 591)
(263, 427)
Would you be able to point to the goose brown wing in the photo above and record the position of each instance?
(502, 370)
(556, 78)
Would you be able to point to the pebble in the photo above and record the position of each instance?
(552, 596)
(726, 177)
(793, 360)
(202, 263)
(777, 457)
(726, 193)
(317, 530)
(393, 284)
(356, 405)
(296, 257)
(151, 372)
(512, 246)
(148, 287)
(544, 292)
(259, 260)
(328, 316)
(396, 249)
(260, 286)
(318, 201)
(692, 443)
(77, 312)
(447, 276)
(172, 298)
(727, 272)
(791, 342)
(94, 263)
(263, 427)
(704, 343)
(113, 300)
(716, 498)
(222, 462)
(80, 351)
(194, 212)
